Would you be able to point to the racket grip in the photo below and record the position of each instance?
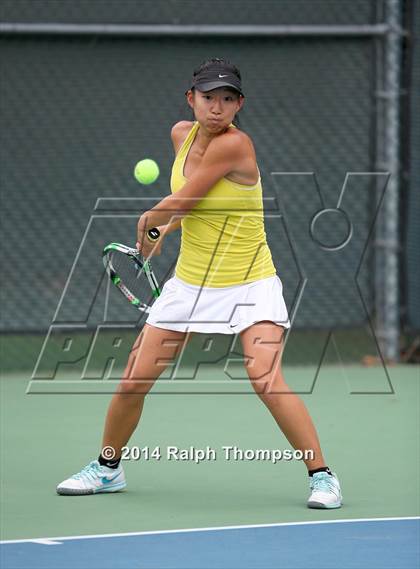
(153, 234)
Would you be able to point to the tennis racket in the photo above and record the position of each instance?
(132, 274)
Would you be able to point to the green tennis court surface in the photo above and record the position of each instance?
(371, 441)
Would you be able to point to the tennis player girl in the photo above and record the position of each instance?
(225, 282)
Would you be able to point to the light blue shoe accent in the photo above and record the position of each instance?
(111, 488)
(106, 480)
(93, 479)
(90, 471)
(326, 492)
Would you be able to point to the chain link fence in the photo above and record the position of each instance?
(79, 111)
(412, 202)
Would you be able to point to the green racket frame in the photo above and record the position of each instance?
(140, 263)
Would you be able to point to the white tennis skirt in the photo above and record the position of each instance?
(223, 310)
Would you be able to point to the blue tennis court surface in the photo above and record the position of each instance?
(391, 543)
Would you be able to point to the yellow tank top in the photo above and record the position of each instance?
(223, 239)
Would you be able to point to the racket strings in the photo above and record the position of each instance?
(130, 274)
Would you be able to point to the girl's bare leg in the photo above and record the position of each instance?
(262, 346)
(149, 357)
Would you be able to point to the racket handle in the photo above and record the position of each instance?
(153, 234)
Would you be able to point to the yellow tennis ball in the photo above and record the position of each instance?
(146, 171)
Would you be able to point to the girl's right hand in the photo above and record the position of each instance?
(149, 249)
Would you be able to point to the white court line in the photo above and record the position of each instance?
(45, 541)
(55, 540)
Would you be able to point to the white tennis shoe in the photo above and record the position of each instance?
(93, 479)
(325, 491)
